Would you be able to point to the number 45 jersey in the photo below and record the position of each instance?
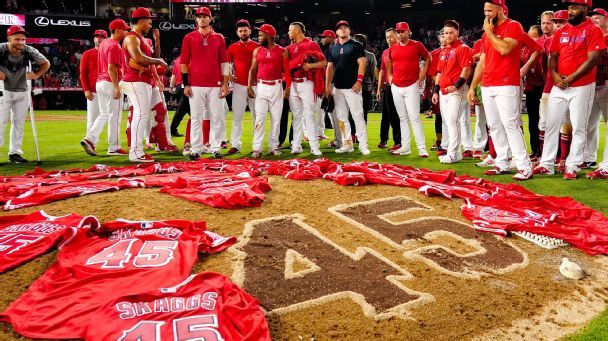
(206, 307)
(117, 259)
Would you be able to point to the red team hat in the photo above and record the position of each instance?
(328, 33)
(141, 13)
(203, 11)
(342, 23)
(501, 3)
(402, 26)
(577, 2)
(101, 33)
(268, 29)
(119, 24)
(561, 15)
(242, 23)
(16, 30)
(598, 11)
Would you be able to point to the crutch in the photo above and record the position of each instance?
(31, 105)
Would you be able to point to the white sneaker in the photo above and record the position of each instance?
(186, 150)
(275, 152)
(449, 159)
(523, 175)
(256, 154)
(488, 162)
(401, 151)
(364, 150)
(423, 153)
(316, 152)
(296, 150)
(344, 150)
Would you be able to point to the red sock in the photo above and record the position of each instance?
(564, 143)
(541, 139)
(492, 150)
(206, 129)
(160, 130)
(187, 135)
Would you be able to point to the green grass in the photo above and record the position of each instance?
(60, 149)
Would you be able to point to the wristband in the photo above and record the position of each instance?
(185, 80)
(460, 82)
(437, 88)
(360, 78)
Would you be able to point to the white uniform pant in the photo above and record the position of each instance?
(302, 104)
(320, 117)
(269, 98)
(206, 100)
(453, 106)
(407, 103)
(155, 99)
(345, 100)
(466, 130)
(92, 110)
(139, 94)
(579, 101)
(503, 115)
(598, 110)
(335, 123)
(109, 115)
(14, 105)
(481, 129)
(542, 112)
(240, 100)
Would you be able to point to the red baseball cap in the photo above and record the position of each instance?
(598, 11)
(101, 33)
(328, 33)
(561, 15)
(119, 24)
(242, 23)
(501, 3)
(16, 30)
(342, 23)
(141, 13)
(578, 2)
(402, 26)
(268, 29)
(203, 11)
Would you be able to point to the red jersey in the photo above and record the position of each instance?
(572, 43)
(176, 71)
(110, 52)
(25, 237)
(206, 307)
(298, 49)
(548, 78)
(138, 73)
(88, 69)
(240, 54)
(434, 62)
(271, 64)
(204, 55)
(406, 62)
(452, 59)
(602, 66)
(383, 62)
(535, 76)
(99, 265)
(502, 70)
(477, 47)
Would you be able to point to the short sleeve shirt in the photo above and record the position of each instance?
(346, 68)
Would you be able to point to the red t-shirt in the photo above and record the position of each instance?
(241, 54)
(140, 74)
(602, 66)
(535, 76)
(477, 47)
(110, 52)
(383, 62)
(502, 70)
(270, 63)
(548, 78)
(406, 62)
(572, 43)
(204, 55)
(25, 237)
(88, 69)
(206, 306)
(176, 71)
(434, 62)
(297, 49)
(99, 265)
(452, 59)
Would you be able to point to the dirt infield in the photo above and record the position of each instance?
(330, 262)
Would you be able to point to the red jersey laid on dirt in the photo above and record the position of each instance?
(406, 62)
(204, 55)
(271, 64)
(110, 52)
(88, 69)
(452, 59)
(120, 258)
(298, 49)
(572, 43)
(134, 72)
(240, 54)
(205, 307)
(501, 70)
(25, 237)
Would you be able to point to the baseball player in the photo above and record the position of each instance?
(441, 143)
(176, 86)
(345, 72)
(390, 118)
(269, 64)
(454, 68)
(302, 95)
(328, 38)
(548, 25)
(498, 72)
(480, 138)
(600, 100)
(575, 51)
(240, 56)
(138, 80)
(88, 76)
(405, 76)
(15, 56)
(205, 73)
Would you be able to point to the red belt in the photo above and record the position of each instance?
(299, 80)
(274, 82)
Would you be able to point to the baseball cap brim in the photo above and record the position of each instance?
(596, 13)
(24, 32)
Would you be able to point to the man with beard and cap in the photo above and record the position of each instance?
(344, 81)
(110, 66)
(88, 77)
(270, 63)
(205, 73)
(498, 71)
(240, 56)
(138, 80)
(390, 117)
(600, 102)
(15, 56)
(575, 51)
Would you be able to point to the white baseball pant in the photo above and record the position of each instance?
(92, 110)
(240, 101)
(345, 100)
(598, 110)
(110, 114)
(579, 101)
(151, 123)
(503, 115)
(480, 140)
(453, 106)
(335, 123)
(224, 128)
(301, 103)
(466, 130)
(206, 100)
(542, 112)
(14, 105)
(268, 98)
(407, 103)
(320, 117)
(139, 94)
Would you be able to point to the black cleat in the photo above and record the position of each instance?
(195, 156)
(16, 158)
(218, 155)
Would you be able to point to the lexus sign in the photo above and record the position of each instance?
(167, 26)
(44, 21)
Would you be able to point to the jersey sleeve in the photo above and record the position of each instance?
(175, 68)
(596, 40)
(530, 44)
(223, 55)
(555, 43)
(514, 31)
(184, 55)
(114, 55)
(330, 58)
(84, 71)
(360, 51)
(230, 53)
(465, 56)
(36, 55)
(422, 51)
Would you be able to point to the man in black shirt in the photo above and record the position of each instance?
(346, 70)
